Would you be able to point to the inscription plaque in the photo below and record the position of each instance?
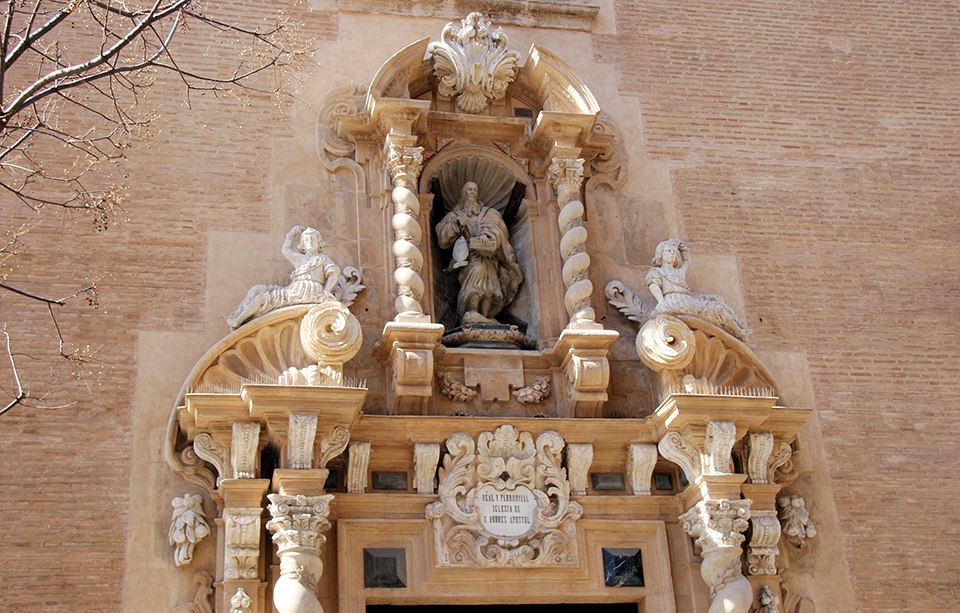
(506, 513)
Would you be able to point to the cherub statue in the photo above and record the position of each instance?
(312, 281)
(667, 282)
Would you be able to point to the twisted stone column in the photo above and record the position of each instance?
(566, 176)
(717, 525)
(297, 526)
(404, 164)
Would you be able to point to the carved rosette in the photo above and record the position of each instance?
(537, 526)
(472, 63)
(717, 526)
(566, 176)
(763, 550)
(404, 164)
(242, 550)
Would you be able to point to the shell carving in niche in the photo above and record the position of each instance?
(472, 63)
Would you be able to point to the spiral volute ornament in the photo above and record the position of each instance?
(665, 343)
(566, 176)
(329, 333)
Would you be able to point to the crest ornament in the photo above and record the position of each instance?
(472, 63)
(505, 501)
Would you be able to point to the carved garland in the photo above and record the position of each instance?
(505, 501)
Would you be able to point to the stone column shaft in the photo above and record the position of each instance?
(566, 176)
(404, 161)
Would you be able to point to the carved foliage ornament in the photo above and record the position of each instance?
(505, 501)
(472, 63)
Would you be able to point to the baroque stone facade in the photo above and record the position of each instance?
(667, 430)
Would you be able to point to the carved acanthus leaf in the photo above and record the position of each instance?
(207, 448)
(358, 461)
(764, 540)
(628, 303)
(718, 446)
(758, 449)
(641, 460)
(472, 63)
(349, 285)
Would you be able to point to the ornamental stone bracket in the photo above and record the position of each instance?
(582, 355)
(408, 348)
(505, 502)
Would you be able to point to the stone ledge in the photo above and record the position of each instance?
(558, 14)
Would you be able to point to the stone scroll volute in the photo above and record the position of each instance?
(505, 501)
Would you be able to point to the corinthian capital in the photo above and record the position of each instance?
(404, 164)
(565, 174)
(299, 521)
(717, 523)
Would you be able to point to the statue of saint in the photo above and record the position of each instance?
(312, 281)
(488, 271)
(667, 281)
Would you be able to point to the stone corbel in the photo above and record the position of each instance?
(357, 465)
(409, 349)
(298, 524)
(426, 457)
(641, 460)
(717, 526)
(244, 449)
(301, 432)
(579, 459)
(582, 354)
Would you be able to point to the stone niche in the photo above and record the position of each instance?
(505, 186)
